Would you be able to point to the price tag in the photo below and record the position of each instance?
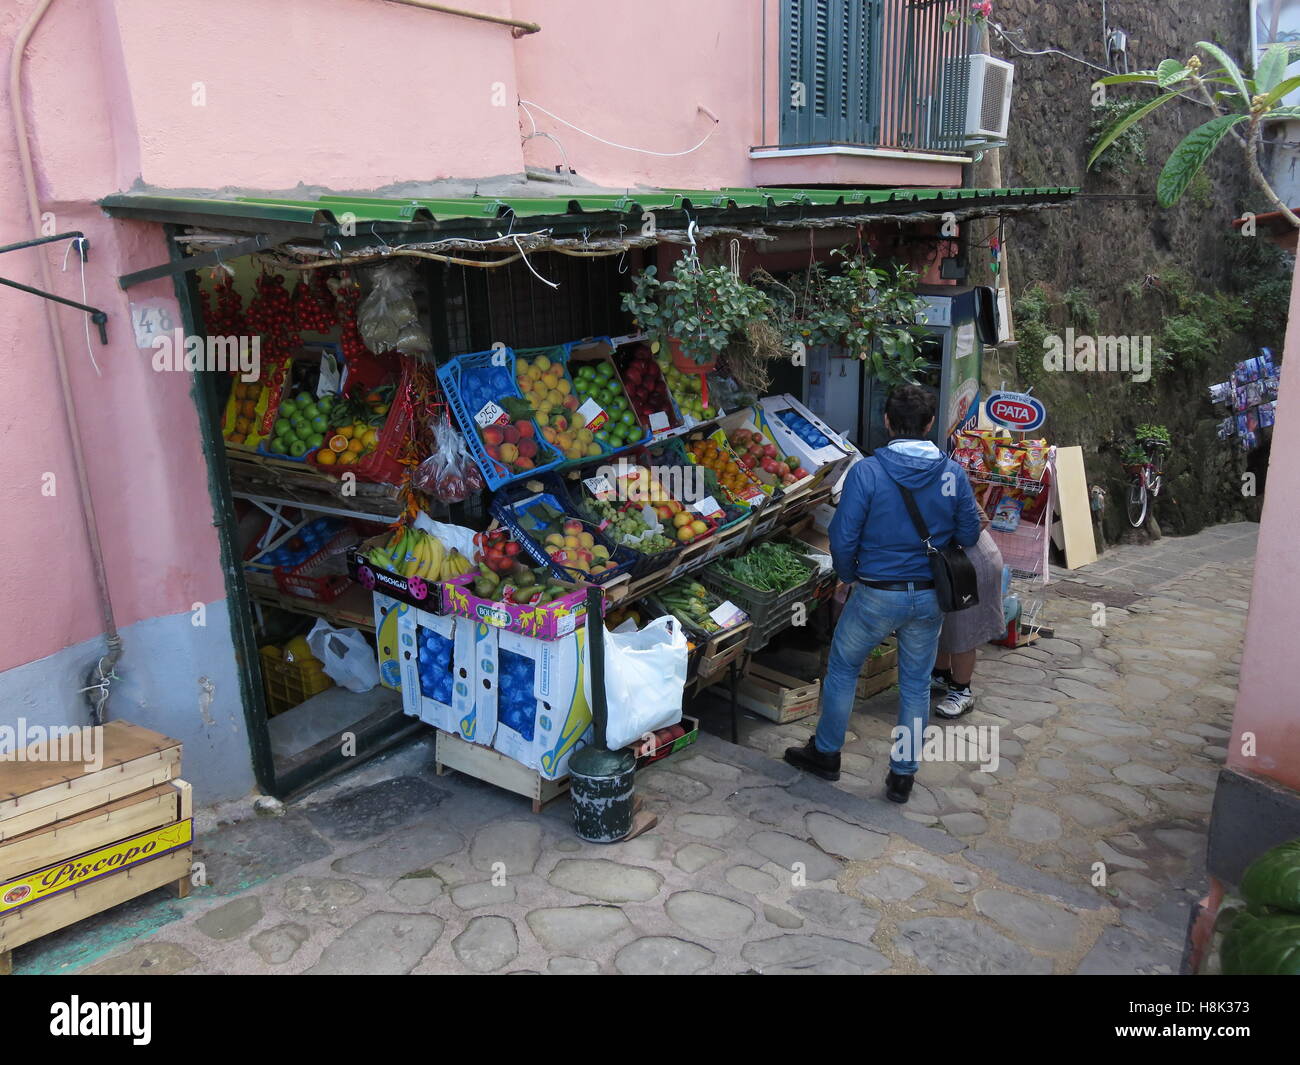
(728, 614)
(659, 421)
(593, 415)
(490, 414)
(599, 486)
(707, 507)
(753, 495)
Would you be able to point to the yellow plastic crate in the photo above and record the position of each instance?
(289, 683)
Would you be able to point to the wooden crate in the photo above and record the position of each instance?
(803, 505)
(876, 683)
(37, 793)
(89, 830)
(776, 695)
(159, 818)
(722, 649)
(486, 764)
(883, 663)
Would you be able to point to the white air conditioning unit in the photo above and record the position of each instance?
(975, 100)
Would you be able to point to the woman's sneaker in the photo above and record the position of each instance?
(955, 703)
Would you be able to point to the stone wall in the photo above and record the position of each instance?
(1114, 262)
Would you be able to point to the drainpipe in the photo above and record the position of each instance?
(101, 674)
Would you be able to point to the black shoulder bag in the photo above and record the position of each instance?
(956, 584)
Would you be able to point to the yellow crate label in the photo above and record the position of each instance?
(75, 872)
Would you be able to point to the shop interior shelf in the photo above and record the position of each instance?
(353, 609)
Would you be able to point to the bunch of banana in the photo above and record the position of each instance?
(424, 556)
(416, 553)
(454, 564)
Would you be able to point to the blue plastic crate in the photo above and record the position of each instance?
(470, 381)
(570, 493)
(513, 514)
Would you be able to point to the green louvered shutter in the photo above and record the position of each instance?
(830, 71)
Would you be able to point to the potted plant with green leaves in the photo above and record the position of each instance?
(869, 307)
(696, 313)
(1261, 933)
(1151, 437)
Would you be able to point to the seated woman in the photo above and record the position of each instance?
(964, 630)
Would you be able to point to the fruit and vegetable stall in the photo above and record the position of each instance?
(455, 513)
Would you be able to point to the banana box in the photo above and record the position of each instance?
(437, 666)
(533, 690)
(387, 614)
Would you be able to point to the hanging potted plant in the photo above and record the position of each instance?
(873, 310)
(696, 313)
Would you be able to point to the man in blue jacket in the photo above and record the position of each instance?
(876, 548)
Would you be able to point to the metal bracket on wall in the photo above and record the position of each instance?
(100, 318)
(197, 262)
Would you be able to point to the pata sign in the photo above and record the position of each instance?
(1015, 410)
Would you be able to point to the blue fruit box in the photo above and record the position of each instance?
(474, 386)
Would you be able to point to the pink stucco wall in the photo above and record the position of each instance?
(342, 95)
(1267, 704)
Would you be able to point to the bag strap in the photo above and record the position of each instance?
(912, 509)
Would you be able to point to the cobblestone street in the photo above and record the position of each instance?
(1111, 736)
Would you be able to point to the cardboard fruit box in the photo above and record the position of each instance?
(415, 591)
(546, 621)
(799, 432)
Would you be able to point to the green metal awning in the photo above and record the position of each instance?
(327, 217)
(346, 224)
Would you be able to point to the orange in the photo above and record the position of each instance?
(338, 442)
(347, 458)
(325, 457)
(345, 431)
(370, 439)
(355, 445)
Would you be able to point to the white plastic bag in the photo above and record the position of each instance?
(346, 657)
(645, 675)
(457, 536)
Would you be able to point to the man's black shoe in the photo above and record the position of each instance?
(898, 788)
(809, 758)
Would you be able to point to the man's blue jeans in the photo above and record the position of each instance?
(870, 615)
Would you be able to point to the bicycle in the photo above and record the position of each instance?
(1147, 480)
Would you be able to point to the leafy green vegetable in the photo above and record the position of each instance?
(769, 567)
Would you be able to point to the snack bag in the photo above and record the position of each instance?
(971, 459)
(1006, 516)
(983, 440)
(1034, 458)
(1008, 460)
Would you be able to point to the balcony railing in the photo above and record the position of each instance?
(870, 73)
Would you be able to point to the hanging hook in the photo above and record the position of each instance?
(379, 237)
(622, 255)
